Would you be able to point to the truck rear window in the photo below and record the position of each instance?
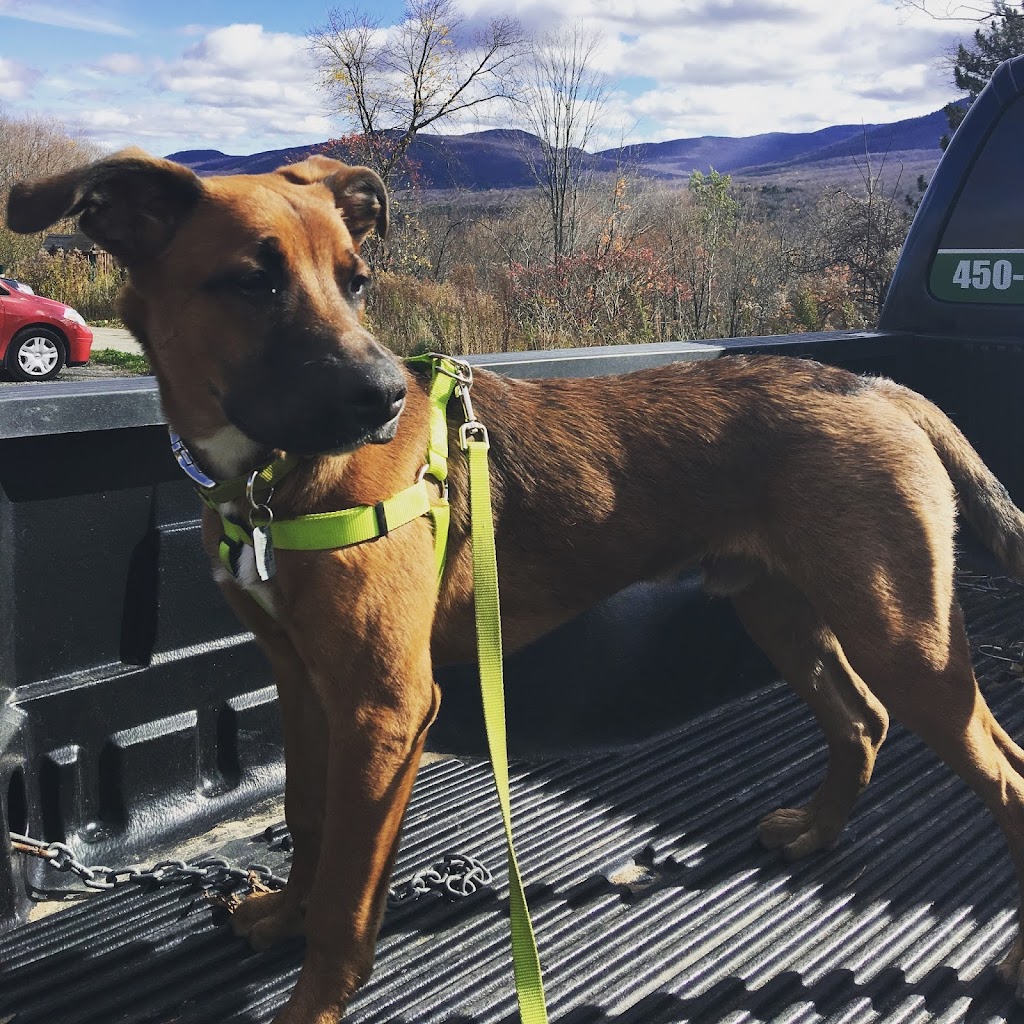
(981, 255)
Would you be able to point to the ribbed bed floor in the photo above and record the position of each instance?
(651, 900)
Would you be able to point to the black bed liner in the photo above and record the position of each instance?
(652, 902)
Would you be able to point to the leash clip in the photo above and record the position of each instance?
(478, 432)
(462, 374)
(458, 369)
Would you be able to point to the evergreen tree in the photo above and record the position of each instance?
(974, 64)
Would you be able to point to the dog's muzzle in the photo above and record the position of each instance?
(312, 406)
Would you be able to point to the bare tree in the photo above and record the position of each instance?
(951, 10)
(389, 84)
(864, 232)
(561, 104)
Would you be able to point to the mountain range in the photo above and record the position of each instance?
(502, 158)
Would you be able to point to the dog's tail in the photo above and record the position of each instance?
(986, 503)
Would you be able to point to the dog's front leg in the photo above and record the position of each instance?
(370, 664)
(267, 918)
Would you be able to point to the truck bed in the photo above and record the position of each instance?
(652, 901)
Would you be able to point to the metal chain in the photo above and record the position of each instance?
(455, 876)
(213, 872)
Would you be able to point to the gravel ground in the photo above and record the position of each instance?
(75, 373)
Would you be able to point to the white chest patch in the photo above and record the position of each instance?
(227, 452)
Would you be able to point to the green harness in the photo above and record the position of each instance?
(328, 530)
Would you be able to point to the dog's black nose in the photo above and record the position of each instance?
(379, 401)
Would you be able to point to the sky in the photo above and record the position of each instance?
(237, 76)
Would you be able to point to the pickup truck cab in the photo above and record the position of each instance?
(649, 735)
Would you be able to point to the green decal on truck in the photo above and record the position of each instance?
(979, 275)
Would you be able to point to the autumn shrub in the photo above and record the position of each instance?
(623, 295)
(826, 301)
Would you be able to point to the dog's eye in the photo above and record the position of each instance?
(357, 286)
(255, 282)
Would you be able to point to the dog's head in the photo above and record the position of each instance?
(247, 292)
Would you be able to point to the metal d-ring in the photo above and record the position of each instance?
(261, 507)
(442, 485)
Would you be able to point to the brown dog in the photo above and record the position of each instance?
(823, 504)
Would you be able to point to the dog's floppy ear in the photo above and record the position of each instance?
(130, 203)
(358, 192)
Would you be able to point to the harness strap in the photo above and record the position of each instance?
(323, 530)
(268, 476)
(443, 381)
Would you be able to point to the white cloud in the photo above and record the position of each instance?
(60, 17)
(237, 87)
(121, 64)
(247, 50)
(16, 80)
(732, 67)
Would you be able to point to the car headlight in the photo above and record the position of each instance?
(73, 315)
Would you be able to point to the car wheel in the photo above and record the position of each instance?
(35, 354)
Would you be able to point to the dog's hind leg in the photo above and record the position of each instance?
(1009, 746)
(926, 680)
(808, 655)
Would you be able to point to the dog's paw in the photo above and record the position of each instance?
(797, 830)
(1011, 968)
(266, 918)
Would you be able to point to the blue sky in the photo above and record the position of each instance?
(236, 76)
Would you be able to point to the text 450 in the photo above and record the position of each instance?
(985, 274)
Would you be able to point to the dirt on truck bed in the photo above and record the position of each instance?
(651, 899)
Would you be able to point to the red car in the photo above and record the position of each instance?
(38, 336)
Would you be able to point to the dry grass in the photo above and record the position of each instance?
(412, 316)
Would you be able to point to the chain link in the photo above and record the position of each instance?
(208, 872)
(455, 876)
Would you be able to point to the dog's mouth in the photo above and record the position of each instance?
(382, 435)
(387, 431)
(300, 441)
(320, 407)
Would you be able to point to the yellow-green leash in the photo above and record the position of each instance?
(525, 959)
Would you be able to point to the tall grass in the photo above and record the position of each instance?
(412, 316)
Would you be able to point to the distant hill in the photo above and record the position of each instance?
(681, 157)
(502, 158)
(496, 159)
(778, 153)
